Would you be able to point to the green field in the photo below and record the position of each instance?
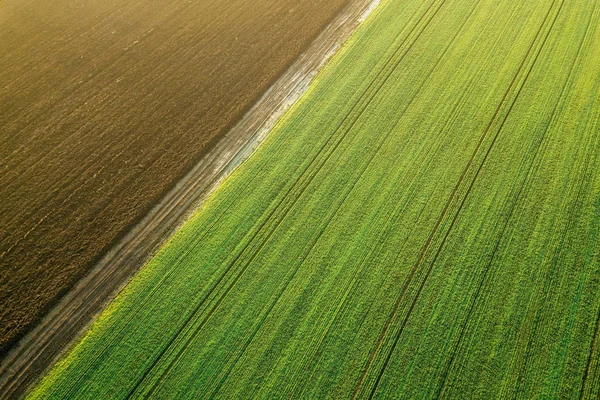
(423, 223)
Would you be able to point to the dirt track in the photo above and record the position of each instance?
(104, 106)
(76, 310)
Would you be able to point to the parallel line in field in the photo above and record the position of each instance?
(380, 243)
(374, 253)
(595, 339)
(489, 265)
(428, 272)
(364, 259)
(537, 155)
(286, 209)
(453, 114)
(314, 240)
(550, 272)
(446, 209)
(383, 140)
(349, 288)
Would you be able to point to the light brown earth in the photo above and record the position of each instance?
(104, 106)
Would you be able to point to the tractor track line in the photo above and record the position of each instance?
(397, 338)
(39, 349)
(445, 211)
(303, 181)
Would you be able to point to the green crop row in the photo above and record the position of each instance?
(423, 223)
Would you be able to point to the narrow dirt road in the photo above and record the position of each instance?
(57, 331)
(104, 107)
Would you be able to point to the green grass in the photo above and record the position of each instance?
(423, 223)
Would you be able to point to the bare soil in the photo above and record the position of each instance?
(104, 106)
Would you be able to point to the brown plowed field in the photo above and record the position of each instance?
(104, 106)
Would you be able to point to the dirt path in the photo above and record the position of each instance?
(41, 347)
(104, 107)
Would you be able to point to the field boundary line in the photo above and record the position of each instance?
(304, 180)
(48, 341)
